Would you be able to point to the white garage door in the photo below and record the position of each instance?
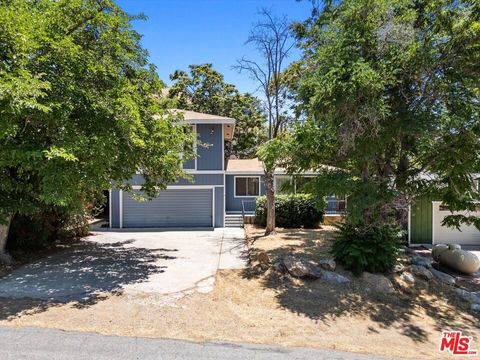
(173, 208)
(469, 235)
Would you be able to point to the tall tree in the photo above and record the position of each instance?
(391, 91)
(77, 107)
(204, 90)
(271, 37)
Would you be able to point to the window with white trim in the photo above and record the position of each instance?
(247, 186)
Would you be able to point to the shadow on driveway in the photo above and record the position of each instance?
(80, 274)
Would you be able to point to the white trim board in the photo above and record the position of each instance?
(184, 187)
(409, 224)
(433, 221)
(204, 172)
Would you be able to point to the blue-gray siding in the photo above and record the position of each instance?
(210, 157)
(189, 164)
(173, 208)
(234, 204)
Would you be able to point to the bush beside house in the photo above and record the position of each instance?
(291, 211)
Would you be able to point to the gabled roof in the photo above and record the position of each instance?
(194, 116)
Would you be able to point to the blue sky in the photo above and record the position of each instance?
(183, 32)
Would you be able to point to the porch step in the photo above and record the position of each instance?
(233, 221)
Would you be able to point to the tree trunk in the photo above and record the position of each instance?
(5, 258)
(270, 202)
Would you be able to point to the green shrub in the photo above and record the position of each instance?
(32, 233)
(291, 211)
(372, 249)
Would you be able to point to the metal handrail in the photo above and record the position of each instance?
(243, 210)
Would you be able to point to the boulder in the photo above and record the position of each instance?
(470, 296)
(421, 261)
(301, 268)
(399, 268)
(333, 277)
(421, 272)
(327, 264)
(279, 266)
(445, 278)
(407, 277)
(378, 283)
(475, 307)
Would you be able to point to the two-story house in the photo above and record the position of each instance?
(198, 202)
(215, 195)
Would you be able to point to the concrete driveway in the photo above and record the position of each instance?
(131, 262)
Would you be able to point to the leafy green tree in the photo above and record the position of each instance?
(204, 90)
(78, 108)
(391, 91)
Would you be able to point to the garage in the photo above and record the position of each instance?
(468, 234)
(425, 226)
(185, 207)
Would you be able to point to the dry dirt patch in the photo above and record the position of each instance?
(270, 308)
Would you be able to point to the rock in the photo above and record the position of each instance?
(327, 264)
(407, 277)
(475, 307)
(399, 268)
(422, 261)
(301, 268)
(333, 277)
(263, 258)
(470, 296)
(407, 250)
(279, 266)
(6, 259)
(378, 283)
(405, 286)
(421, 272)
(445, 278)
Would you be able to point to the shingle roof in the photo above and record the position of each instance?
(245, 165)
(193, 116)
(255, 166)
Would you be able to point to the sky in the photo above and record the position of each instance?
(178, 33)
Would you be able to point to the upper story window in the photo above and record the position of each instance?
(247, 186)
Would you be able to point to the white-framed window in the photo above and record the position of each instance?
(247, 186)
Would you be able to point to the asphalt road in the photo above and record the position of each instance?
(51, 344)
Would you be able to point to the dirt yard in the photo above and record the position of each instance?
(271, 308)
